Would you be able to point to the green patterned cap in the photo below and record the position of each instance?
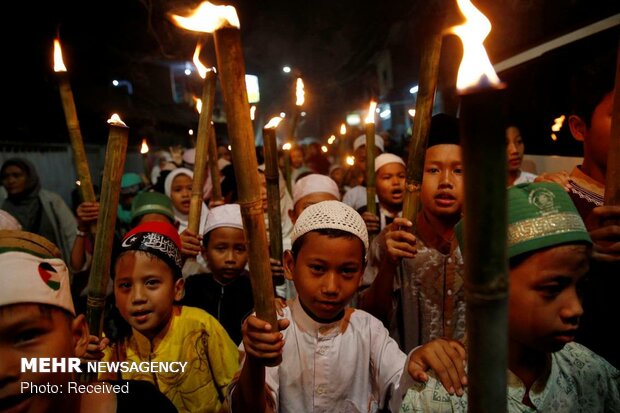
(540, 215)
(151, 203)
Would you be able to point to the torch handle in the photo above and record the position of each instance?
(272, 176)
(216, 193)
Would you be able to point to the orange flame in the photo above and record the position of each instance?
(59, 65)
(287, 146)
(144, 148)
(475, 69)
(370, 118)
(273, 122)
(198, 103)
(299, 92)
(208, 18)
(557, 123)
(202, 69)
(324, 148)
(115, 120)
(343, 129)
(350, 160)
(331, 139)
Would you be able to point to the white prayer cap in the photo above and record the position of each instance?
(361, 140)
(386, 158)
(330, 215)
(27, 278)
(314, 183)
(228, 215)
(8, 221)
(189, 156)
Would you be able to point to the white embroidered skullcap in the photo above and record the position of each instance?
(8, 221)
(361, 140)
(228, 215)
(386, 158)
(314, 183)
(26, 278)
(330, 215)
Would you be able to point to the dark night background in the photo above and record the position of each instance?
(335, 45)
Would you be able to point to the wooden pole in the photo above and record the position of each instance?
(427, 84)
(102, 254)
(612, 179)
(272, 176)
(485, 252)
(232, 71)
(371, 188)
(200, 164)
(286, 153)
(216, 192)
(77, 144)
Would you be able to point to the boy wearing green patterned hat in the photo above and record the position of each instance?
(549, 250)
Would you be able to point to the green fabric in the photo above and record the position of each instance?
(151, 203)
(540, 215)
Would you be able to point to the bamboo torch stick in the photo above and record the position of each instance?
(286, 153)
(110, 189)
(612, 179)
(485, 173)
(427, 84)
(216, 192)
(205, 109)
(144, 151)
(272, 176)
(371, 189)
(224, 23)
(73, 125)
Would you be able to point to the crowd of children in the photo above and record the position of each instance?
(366, 323)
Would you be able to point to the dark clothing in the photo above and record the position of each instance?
(230, 303)
(142, 397)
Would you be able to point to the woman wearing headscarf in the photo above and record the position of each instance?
(38, 210)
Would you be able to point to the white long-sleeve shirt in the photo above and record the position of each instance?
(351, 365)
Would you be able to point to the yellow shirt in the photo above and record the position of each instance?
(194, 337)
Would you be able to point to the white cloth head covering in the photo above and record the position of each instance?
(228, 215)
(330, 215)
(8, 221)
(26, 278)
(314, 183)
(181, 218)
(386, 158)
(361, 140)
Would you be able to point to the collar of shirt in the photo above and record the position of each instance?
(584, 182)
(539, 390)
(307, 325)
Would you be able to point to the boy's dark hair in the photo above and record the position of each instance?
(590, 84)
(331, 233)
(205, 239)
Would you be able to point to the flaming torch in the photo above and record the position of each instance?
(223, 22)
(73, 125)
(205, 109)
(429, 74)
(272, 176)
(485, 169)
(300, 97)
(144, 151)
(286, 153)
(343, 143)
(371, 190)
(110, 190)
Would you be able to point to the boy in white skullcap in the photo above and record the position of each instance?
(37, 320)
(334, 358)
(356, 196)
(225, 292)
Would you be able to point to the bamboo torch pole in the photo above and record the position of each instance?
(485, 251)
(110, 190)
(216, 192)
(612, 179)
(427, 84)
(371, 188)
(223, 22)
(272, 176)
(286, 153)
(75, 135)
(202, 138)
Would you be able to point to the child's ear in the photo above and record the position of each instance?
(289, 264)
(578, 127)
(79, 331)
(179, 289)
